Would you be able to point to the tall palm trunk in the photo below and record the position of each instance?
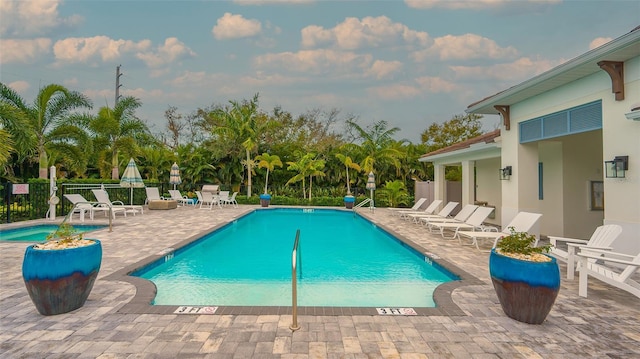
(115, 173)
(43, 162)
(249, 168)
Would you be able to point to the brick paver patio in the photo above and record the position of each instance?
(470, 324)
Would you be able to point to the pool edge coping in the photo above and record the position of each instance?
(146, 290)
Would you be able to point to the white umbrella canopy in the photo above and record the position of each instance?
(131, 177)
(174, 175)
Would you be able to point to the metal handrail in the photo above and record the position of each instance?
(295, 258)
(361, 204)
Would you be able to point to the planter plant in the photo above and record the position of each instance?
(269, 162)
(349, 199)
(59, 273)
(525, 279)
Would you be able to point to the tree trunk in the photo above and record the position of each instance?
(115, 173)
(248, 174)
(43, 162)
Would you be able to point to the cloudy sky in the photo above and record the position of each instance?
(411, 62)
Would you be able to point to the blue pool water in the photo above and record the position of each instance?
(345, 261)
(38, 233)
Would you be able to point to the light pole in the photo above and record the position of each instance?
(371, 186)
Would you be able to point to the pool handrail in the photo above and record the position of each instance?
(295, 258)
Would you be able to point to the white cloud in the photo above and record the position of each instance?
(513, 72)
(315, 61)
(395, 92)
(231, 26)
(464, 47)
(97, 48)
(470, 4)
(172, 50)
(597, 42)
(23, 51)
(369, 32)
(436, 85)
(382, 69)
(33, 17)
(21, 87)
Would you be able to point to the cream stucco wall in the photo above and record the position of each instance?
(488, 186)
(619, 136)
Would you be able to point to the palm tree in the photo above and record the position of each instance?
(269, 162)
(241, 123)
(307, 165)
(47, 117)
(395, 192)
(118, 129)
(348, 163)
(378, 147)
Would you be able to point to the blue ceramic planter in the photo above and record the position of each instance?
(526, 290)
(59, 281)
(349, 201)
(265, 199)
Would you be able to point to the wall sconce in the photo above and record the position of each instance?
(505, 173)
(616, 168)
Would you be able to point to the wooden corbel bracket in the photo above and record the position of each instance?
(615, 69)
(504, 111)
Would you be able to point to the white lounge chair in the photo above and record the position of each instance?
(416, 206)
(462, 216)
(522, 222)
(178, 197)
(444, 213)
(223, 196)
(153, 194)
(82, 206)
(431, 208)
(601, 238)
(607, 271)
(473, 223)
(102, 196)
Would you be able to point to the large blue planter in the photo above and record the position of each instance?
(349, 201)
(265, 199)
(526, 290)
(60, 280)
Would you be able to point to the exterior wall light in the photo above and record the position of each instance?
(616, 168)
(505, 173)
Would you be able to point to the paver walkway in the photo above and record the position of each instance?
(605, 325)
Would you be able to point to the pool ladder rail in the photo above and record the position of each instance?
(295, 259)
(368, 201)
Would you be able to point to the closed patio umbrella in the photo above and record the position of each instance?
(131, 177)
(174, 175)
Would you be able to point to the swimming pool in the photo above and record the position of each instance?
(38, 232)
(345, 261)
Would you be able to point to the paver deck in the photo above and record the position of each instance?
(112, 324)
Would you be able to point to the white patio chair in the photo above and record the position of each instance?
(474, 223)
(462, 216)
(444, 213)
(416, 206)
(178, 197)
(102, 196)
(522, 222)
(431, 208)
(615, 269)
(601, 238)
(223, 197)
(153, 194)
(207, 199)
(230, 200)
(82, 206)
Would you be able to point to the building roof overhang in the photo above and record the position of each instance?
(621, 49)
